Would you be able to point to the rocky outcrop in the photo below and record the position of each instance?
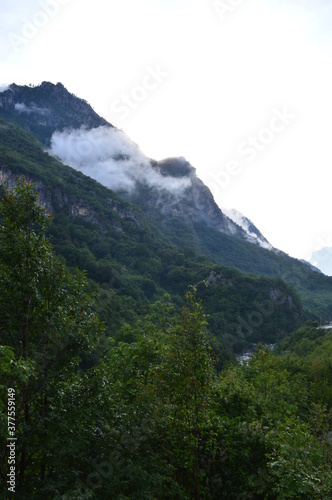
(76, 208)
(126, 212)
(9, 180)
(194, 203)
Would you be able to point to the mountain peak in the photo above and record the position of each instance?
(46, 108)
(175, 167)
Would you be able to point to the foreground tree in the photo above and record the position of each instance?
(186, 382)
(47, 323)
(157, 426)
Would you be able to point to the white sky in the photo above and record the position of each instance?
(224, 74)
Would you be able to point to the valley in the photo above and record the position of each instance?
(127, 299)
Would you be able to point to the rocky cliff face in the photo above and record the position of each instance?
(76, 208)
(193, 204)
(252, 233)
(9, 180)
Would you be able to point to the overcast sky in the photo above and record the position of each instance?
(241, 89)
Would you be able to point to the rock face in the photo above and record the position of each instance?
(44, 109)
(194, 204)
(253, 234)
(9, 180)
(76, 208)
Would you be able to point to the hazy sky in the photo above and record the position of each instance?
(242, 89)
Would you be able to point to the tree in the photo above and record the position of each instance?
(185, 382)
(153, 407)
(47, 321)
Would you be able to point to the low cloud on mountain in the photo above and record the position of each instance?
(109, 156)
(32, 108)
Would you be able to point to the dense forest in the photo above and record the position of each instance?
(154, 406)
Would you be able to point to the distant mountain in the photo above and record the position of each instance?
(322, 259)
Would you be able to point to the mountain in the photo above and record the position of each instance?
(130, 260)
(175, 233)
(249, 227)
(143, 412)
(82, 139)
(46, 108)
(322, 259)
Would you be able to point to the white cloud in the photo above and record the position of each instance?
(32, 108)
(109, 156)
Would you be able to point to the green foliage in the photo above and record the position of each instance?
(184, 379)
(246, 309)
(167, 427)
(152, 400)
(276, 442)
(313, 288)
(136, 258)
(46, 326)
(298, 465)
(314, 345)
(141, 412)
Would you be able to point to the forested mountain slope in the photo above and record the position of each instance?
(134, 261)
(176, 203)
(152, 402)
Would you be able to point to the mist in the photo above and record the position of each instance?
(23, 108)
(107, 155)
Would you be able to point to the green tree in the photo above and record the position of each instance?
(48, 324)
(184, 381)
(152, 402)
